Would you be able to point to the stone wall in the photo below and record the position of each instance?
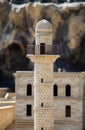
(25, 128)
(68, 126)
(11, 95)
(76, 101)
(7, 116)
(3, 91)
(7, 103)
(76, 110)
(21, 109)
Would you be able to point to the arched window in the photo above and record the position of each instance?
(55, 90)
(68, 90)
(29, 90)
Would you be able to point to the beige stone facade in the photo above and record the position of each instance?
(61, 122)
(46, 100)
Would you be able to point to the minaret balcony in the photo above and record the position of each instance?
(43, 50)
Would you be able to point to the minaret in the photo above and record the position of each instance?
(43, 77)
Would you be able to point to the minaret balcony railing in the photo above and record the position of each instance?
(43, 50)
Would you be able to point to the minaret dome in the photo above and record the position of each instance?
(43, 32)
(43, 25)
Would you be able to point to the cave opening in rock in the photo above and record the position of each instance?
(82, 55)
(17, 57)
(7, 80)
(63, 64)
(23, 41)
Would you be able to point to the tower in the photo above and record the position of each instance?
(43, 59)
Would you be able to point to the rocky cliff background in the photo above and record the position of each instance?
(17, 27)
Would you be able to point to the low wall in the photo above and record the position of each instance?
(7, 116)
(3, 91)
(8, 103)
(11, 95)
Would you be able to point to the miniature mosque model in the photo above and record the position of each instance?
(47, 100)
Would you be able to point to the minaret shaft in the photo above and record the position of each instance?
(43, 101)
(43, 91)
(43, 77)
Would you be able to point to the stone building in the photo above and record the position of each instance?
(48, 100)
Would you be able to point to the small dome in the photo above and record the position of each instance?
(43, 25)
